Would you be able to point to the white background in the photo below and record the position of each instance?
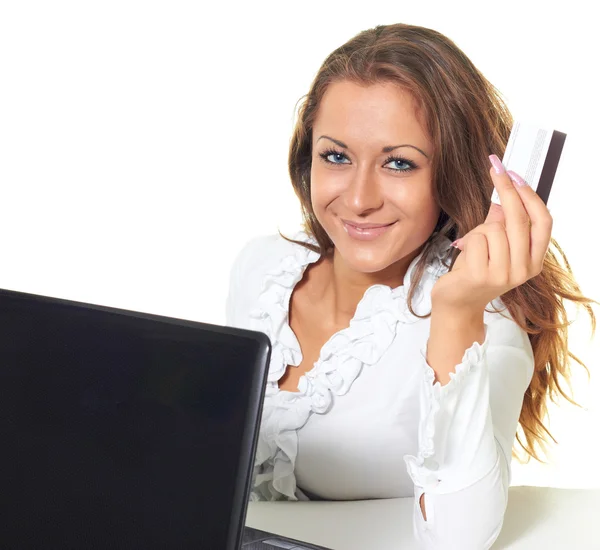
(142, 143)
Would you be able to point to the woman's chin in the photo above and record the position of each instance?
(365, 261)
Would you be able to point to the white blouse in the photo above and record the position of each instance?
(368, 421)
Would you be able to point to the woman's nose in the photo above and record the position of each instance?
(364, 193)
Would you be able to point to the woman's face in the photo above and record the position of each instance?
(371, 169)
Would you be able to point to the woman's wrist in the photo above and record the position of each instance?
(452, 332)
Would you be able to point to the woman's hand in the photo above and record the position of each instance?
(502, 253)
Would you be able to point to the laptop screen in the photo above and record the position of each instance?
(116, 430)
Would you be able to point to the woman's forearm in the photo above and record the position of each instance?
(451, 334)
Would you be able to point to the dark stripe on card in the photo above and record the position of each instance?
(550, 165)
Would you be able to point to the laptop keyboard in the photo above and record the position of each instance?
(255, 539)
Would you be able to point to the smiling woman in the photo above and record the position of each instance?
(400, 368)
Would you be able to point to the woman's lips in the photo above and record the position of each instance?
(365, 231)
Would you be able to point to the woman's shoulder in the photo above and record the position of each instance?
(264, 264)
(264, 253)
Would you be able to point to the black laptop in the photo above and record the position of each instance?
(121, 429)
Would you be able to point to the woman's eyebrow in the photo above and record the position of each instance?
(387, 149)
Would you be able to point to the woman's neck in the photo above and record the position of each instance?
(342, 288)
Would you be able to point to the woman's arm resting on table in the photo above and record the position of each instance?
(467, 427)
(446, 346)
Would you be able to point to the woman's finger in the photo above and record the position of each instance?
(499, 253)
(477, 257)
(540, 219)
(515, 214)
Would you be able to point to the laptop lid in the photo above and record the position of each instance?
(124, 430)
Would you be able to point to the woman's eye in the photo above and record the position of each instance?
(335, 158)
(401, 165)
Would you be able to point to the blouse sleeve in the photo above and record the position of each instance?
(241, 277)
(466, 432)
(233, 293)
(246, 276)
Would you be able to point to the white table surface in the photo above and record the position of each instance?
(536, 517)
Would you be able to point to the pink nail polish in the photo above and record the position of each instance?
(498, 168)
(455, 244)
(517, 180)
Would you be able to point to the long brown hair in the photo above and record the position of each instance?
(467, 120)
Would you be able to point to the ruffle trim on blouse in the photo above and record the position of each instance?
(421, 468)
(368, 336)
(271, 315)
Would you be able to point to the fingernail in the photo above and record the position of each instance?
(457, 243)
(517, 180)
(498, 168)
